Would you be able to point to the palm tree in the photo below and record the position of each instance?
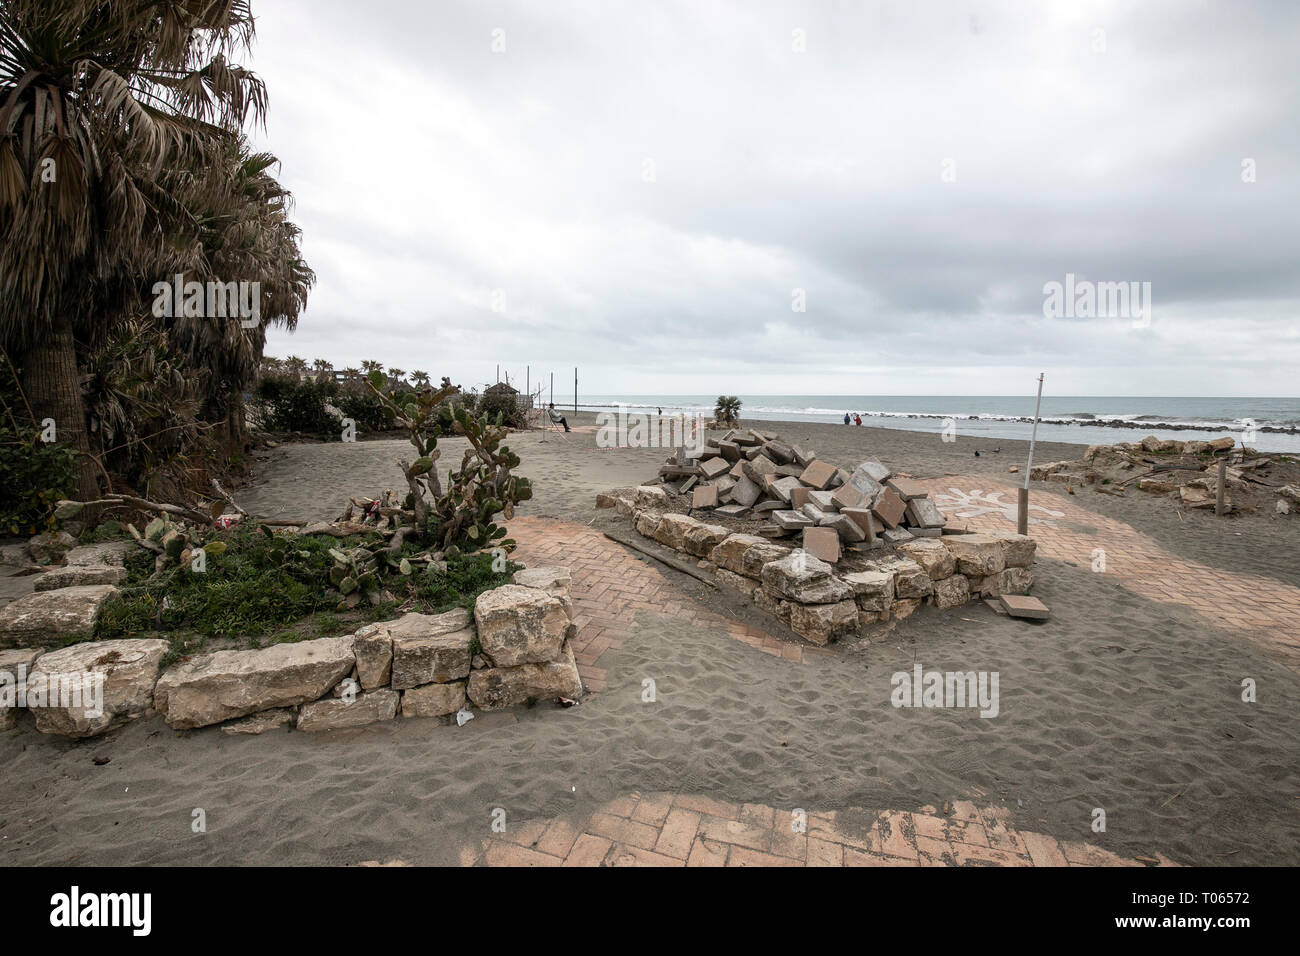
(100, 102)
(727, 410)
(420, 379)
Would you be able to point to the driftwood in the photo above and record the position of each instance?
(131, 501)
(229, 500)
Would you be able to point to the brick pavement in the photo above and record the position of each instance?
(611, 588)
(1263, 609)
(666, 829)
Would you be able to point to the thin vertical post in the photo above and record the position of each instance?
(1220, 503)
(1022, 517)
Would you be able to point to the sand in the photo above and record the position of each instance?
(1118, 702)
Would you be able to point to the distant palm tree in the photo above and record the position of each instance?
(727, 410)
(100, 102)
(420, 379)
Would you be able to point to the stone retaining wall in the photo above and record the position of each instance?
(516, 646)
(820, 601)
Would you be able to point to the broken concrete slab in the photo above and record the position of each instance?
(757, 468)
(813, 513)
(714, 467)
(1022, 605)
(889, 508)
(818, 474)
(823, 500)
(792, 520)
(705, 496)
(847, 496)
(862, 518)
(873, 470)
(823, 543)
(924, 513)
(906, 488)
(783, 488)
(745, 492)
(848, 529)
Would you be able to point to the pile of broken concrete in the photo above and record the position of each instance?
(1185, 470)
(516, 647)
(755, 474)
(838, 575)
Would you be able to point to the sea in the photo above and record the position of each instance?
(1265, 424)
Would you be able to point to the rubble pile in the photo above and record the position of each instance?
(753, 474)
(825, 550)
(1185, 470)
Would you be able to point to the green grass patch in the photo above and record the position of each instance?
(260, 592)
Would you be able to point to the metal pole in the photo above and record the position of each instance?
(1022, 518)
(575, 394)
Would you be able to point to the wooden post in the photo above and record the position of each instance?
(1219, 502)
(552, 388)
(575, 394)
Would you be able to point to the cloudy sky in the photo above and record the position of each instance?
(642, 190)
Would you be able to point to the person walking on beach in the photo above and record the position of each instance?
(557, 418)
(846, 418)
(857, 419)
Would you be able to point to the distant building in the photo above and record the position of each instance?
(501, 388)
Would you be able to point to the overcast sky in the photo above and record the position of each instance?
(638, 189)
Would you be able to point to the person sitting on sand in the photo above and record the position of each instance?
(557, 418)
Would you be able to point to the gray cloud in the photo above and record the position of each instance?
(430, 171)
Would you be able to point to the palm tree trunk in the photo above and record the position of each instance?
(53, 388)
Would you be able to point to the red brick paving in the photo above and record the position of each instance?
(694, 830)
(1264, 609)
(611, 588)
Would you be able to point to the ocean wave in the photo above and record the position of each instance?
(1079, 419)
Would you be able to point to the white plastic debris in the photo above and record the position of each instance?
(463, 716)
